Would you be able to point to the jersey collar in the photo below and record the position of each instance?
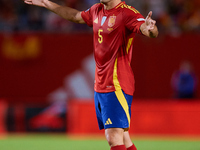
(116, 7)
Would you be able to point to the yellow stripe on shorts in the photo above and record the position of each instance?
(122, 100)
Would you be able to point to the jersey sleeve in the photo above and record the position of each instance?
(87, 15)
(133, 20)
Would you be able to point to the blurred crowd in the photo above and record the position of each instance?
(172, 16)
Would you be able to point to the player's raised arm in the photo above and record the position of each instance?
(63, 11)
(149, 28)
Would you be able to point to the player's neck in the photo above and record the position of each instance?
(111, 4)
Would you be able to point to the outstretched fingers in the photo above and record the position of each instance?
(149, 15)
(149, 28)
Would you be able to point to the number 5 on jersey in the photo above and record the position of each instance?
(100, 39)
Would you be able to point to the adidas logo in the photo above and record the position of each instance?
(108, 122)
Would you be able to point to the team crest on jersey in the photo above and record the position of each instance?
(111, 21)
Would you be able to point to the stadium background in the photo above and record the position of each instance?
(47, 71)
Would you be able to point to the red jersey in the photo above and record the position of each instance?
(114, 31)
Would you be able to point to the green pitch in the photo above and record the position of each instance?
(63, 142)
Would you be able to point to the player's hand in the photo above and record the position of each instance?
(149, 28)
(40, 3)
(150, 23)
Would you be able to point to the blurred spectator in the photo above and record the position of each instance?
(184, 14)
(8, 17)
(184, 81)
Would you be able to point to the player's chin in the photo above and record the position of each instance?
(104, 1)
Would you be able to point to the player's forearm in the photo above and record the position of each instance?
(63, 11)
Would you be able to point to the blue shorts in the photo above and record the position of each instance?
(113, 110)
